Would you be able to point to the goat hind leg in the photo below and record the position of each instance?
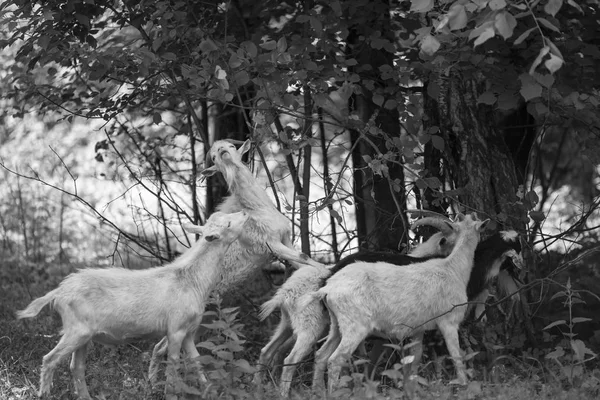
(67, 344)
(450, 333)
(77, 367)
(282, 333)
(302, 347)
(159, 351)
(350, 341)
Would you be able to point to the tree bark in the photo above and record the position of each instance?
(380, 211)
(475, 157)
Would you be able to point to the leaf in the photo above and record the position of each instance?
(421, 6)
(83, 20)
(505, 24)
(241, 78)
(552, 6)
(250, 48)
(545, 80)
(281, 45)
(524, 36)
(234, 61)
(378, 99)
(553, 63)
(508, 101)
(548, 24)
(156, 118)
(390, 104)
(207, 45)
(487, 34)
(543, 51)
(44, 41)
(537, 216)
(433, 89)
(429, 45)
(580, 349)
(573, 3)
(169, 56)
(488, 98)
(458, 17)
(555, 323)
(269, 45)
(558, 294)
(497, 4)
(220, 73)
(437, 142)
(316, 24)
(577, 320)
(559, 352)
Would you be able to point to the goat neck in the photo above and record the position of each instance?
(243, 186)
(462, 257)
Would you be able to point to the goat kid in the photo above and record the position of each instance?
(366, 298)
(267, 231)
(117, 305)
(307, 323)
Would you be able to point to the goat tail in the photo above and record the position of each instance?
(305, 300)
(36, 305)
(269, 306)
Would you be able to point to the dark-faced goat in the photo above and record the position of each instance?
(364, 298)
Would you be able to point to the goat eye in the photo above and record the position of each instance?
(229, 224)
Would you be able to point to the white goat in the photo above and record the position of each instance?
(118, 305)
(309, 321)
(268, 231)
(364, 298)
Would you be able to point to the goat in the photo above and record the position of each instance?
(268, 231)
(308, 323)
(117, 305)
(366, 297)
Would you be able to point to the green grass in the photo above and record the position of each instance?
(121, 373)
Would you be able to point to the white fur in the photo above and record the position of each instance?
(117, 305)
(363, 299)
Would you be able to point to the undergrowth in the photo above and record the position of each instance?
(566, 368)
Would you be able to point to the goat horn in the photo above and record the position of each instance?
(428, 212)
(444, 225)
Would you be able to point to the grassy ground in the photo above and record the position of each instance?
(122, 373)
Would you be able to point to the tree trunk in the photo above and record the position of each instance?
(380, 211)
(475, 157)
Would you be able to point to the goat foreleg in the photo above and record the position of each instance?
(286, 253)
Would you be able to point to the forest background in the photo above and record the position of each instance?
(358, 110)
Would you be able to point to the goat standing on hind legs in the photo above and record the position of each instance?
(268, 231)
(117, 305)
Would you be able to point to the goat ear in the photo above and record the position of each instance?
(210, 171)
(191, 228)
(245, 147)
(212, 237)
